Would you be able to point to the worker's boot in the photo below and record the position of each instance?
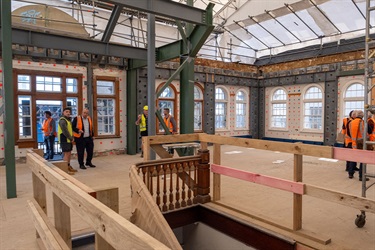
(70, 169)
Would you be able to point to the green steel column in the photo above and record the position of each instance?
(187, 98)
(187, 86)
(9, 123)
(131, 111)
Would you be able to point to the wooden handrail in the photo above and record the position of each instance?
(113, 228)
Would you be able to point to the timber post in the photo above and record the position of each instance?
(203, 185)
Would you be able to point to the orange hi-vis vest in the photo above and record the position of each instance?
(167, 122)
(80, 125)
(345, 130)
(356, 128)
(372, 135)
(47, 127)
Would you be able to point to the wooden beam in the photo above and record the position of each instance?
(62, 219)
(114, 228)
(110, 198)
(157, 139)
(146, 214)
(348, 200)
(285, 147)
(297, 198)
(160, 151)
(63, 165)
(348, 154)
(216, 182)
(269, 181)
(48, 234)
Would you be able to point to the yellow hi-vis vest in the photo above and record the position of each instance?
(68, 125)
(142, 124)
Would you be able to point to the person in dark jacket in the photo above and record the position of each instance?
(83, 134)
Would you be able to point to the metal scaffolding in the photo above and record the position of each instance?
(368, 86)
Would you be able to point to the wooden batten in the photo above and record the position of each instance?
(146, 214)
(160, 151)
(115, 229)
(156, 139)
(48, 234)
(348, 200)
(284, 147)
(348, 154)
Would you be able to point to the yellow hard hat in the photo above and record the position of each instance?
(145, 107)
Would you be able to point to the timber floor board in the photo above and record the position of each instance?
(322, 217)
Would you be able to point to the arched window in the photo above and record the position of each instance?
(167, 99)
(278, 112)
(354, 97)
(221, 100)
(241, 114)
(313, 108)
(198, 107)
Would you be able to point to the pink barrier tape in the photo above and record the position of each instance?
(291, 186)
(348, 154)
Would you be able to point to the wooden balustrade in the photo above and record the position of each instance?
(179, 182)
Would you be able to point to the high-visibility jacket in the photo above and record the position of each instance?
(47, 127)
(345, 129)
(371, 123)
(169, 124)
(69, 127)
(80, 126)
(355, 129)
(143, 123)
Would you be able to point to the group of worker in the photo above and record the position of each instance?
(79, 131)
(352, 128)
(169, 121)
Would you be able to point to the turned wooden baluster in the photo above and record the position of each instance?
(150, 187)
(177, 204)
(187, 168)
(183, 192)
(165, 208)
(158, 168)
(171, 206)
(144, 173)
(194, 163)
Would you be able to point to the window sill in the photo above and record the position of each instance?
(107, 137)
(278, 129)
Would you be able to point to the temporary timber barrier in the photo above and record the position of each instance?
(296, 186)
(96, 207)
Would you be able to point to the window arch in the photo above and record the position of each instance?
(198, 107)
(279, 111)
(221, 101)
(353, 97)
(241, 108)
(167, 99)
(313, 108)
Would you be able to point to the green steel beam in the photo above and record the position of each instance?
(187, 97)
(198, 37)
(9, 123)
(173, 76)
(181, 30)
(131, 111)
(169, 51)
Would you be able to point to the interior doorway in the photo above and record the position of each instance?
(55, 107)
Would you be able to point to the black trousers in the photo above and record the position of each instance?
(82, 144)
(352, 166)
(49, 142)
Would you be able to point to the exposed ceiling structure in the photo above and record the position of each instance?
(244, 31)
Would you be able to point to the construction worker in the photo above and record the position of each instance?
(142, 121)
(66, 138)
(371, 128)
(171, 124)
(344, 131)
(84, 138)
(355, 132)
(49, 131)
